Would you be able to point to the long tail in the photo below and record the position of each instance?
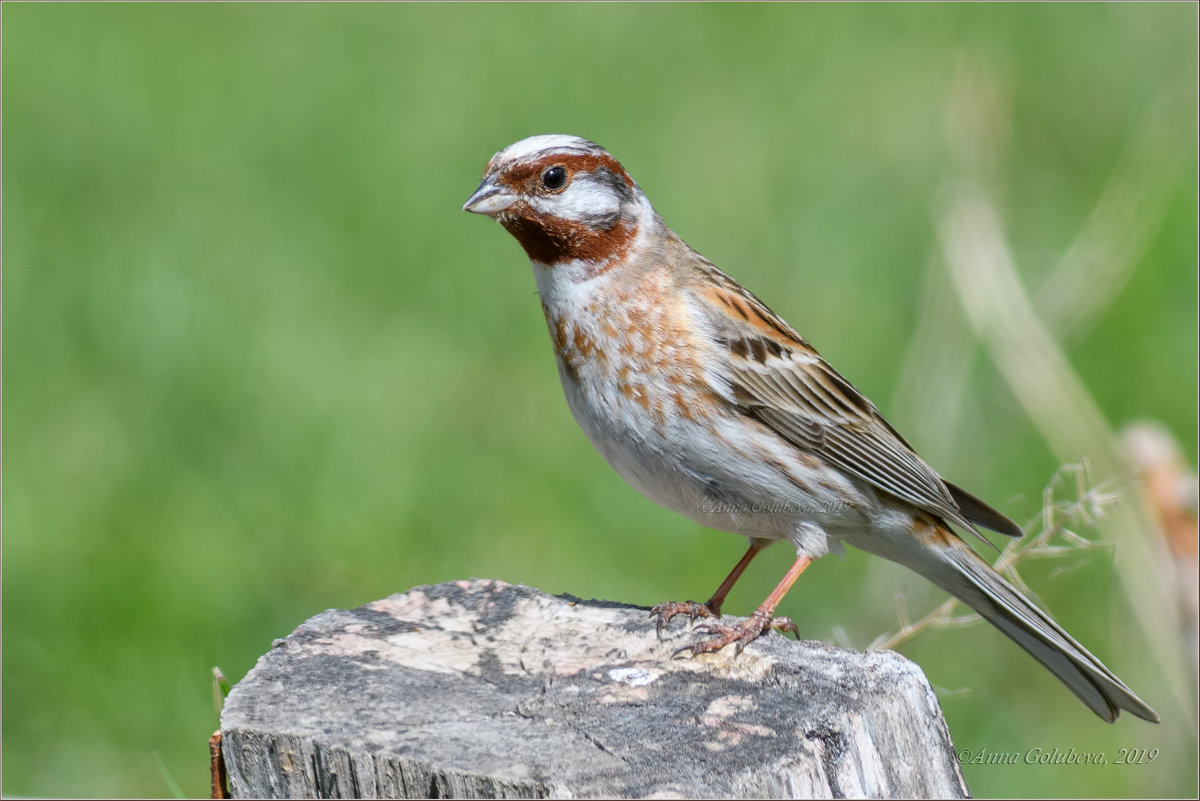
(959, 571)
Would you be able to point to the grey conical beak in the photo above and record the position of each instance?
(489, 198)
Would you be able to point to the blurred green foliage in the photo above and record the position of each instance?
(259, 363)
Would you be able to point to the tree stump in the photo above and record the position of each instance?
(481, 689)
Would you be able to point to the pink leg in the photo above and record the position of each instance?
(763, 618)
(664, 612)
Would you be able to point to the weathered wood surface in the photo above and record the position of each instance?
(484, 689)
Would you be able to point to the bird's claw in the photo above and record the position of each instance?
(783, 625)
(693, 609)
(739, 635)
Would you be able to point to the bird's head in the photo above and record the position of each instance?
(564, 198)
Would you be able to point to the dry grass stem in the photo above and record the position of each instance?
(1053, 539)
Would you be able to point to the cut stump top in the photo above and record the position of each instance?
(485, 689)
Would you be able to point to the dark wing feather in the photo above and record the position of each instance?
(980, 513)
(782, 381)
(830, 426)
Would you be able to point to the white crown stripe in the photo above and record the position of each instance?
(547, 143)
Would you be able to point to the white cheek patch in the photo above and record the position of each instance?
(583, 198)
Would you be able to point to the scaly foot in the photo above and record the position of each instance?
(693, 609)
(742, 634)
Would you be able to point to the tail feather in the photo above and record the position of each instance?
(958, 570)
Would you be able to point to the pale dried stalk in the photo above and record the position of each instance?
(998, 308)
(1089, 506)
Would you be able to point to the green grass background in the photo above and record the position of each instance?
(258, 363)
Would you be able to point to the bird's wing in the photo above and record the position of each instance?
(774, 375)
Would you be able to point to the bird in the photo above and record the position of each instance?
(710, 404)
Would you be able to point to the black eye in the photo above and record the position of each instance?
(554, 178)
